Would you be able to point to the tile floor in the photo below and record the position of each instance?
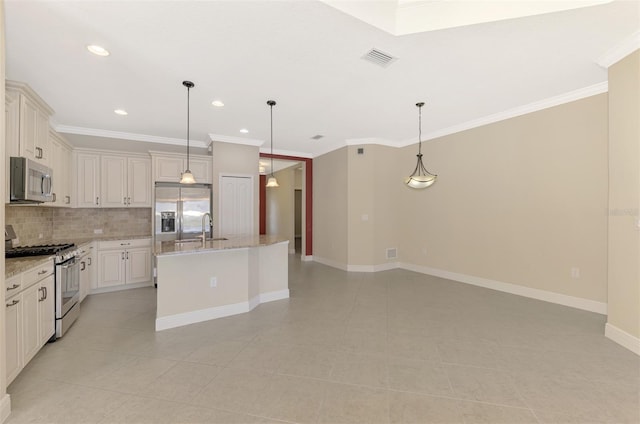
(391, 347)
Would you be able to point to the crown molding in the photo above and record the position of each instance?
(371, 140)
(288, 153)
(620, 51)
(571, 96)
(236, 140)
(67, 129)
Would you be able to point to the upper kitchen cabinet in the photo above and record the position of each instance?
(61, 164)
(110, 180)
(27, 125)
(169, 168)
(125, 181)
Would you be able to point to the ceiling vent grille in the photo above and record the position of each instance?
(317, 137)
(379, 58)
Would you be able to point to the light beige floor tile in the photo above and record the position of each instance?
(260, 356)
(482, 384)
(409, 408)
(358, 340)
(412, 347)
(366, 370)
(237, 390)
(292, 399)
(413, 375)
(345, 404)
(479, 353)
(141, 410)
(482, 413)
(133, 375)
(307, 362)
(182, 383)
(218, 353)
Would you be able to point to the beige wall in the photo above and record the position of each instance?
(520, 201)
(280, 206)
(624, 195)
(235, 159)
(330, 207)
(29, 222)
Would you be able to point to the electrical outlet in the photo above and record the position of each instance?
(575, 272)
(213, 282)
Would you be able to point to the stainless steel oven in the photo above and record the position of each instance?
(67, 291)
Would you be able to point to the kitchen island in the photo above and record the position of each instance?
(202, 281)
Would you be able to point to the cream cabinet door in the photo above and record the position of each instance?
(46, 309)
(30, 322)
(200, 168)
(84, 278)
(65, 175)
(139, 182)
(168, 169)
(111, 268)
(12, 135)
(56, 165)
(113, 176)
(138, 265)
(88, 178)
(13, 336)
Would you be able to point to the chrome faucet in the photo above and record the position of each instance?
(204, 233)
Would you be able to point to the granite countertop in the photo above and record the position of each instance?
(163, 248)
(14, 266)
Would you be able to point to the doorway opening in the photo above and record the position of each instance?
(279, 216)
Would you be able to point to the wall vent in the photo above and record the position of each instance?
(392, 253)
(317, 137)
(379, 58)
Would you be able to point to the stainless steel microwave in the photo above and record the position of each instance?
(30, 181)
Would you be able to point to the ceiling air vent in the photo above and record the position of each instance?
(317, 137)
(379, 58)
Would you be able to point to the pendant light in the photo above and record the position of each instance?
(420, 178)
(187, 176)
(272, 182)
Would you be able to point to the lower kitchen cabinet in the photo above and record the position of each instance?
(124, 262)
(87, 270)
(29, 316)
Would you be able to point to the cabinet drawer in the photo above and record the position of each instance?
(124, 244)
(38, 273)
(13, 285)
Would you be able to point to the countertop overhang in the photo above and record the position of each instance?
(173, 247)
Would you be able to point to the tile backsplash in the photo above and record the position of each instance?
(30, 222)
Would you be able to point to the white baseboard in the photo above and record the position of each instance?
(623, 338)
(121, 287)
(547, 296)
(292, 251)
(331, 263)
(5, 408)
(308, 258)
(372, 268)
(186, 318)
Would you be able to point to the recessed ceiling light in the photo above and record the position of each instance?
(244, 131)
(98, 50)
(120, 112)
(217, 103)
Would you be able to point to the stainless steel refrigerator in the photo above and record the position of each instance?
(179, 209)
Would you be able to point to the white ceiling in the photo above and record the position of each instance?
(304, 54)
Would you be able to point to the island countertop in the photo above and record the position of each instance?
(172, 247)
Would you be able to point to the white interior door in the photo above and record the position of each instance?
(236, 206)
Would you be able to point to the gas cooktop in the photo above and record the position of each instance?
(40, 250)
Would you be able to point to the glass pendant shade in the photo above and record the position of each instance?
(420, 178)
(187, 178)
(272, 182)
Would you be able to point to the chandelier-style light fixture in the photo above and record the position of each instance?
(272, 182)
(420, 178)
(187, 176)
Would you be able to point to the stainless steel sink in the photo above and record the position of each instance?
(199, 240)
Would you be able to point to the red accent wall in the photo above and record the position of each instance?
(308, 198)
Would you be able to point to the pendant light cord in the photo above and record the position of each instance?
(188, 104)
(420, 128)
(271, 111)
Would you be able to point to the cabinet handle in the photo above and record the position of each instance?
(83, 265)
(15, 286)
(38, 152)
(15, 302)
(54, 197)
(97, 203)
(67, 199)
(129, 201)
(123, 256)
(127, 255)
(89, 261)
(46, 292)
(41, 290)
(44, 271)
(124, 201)
(125, 244)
